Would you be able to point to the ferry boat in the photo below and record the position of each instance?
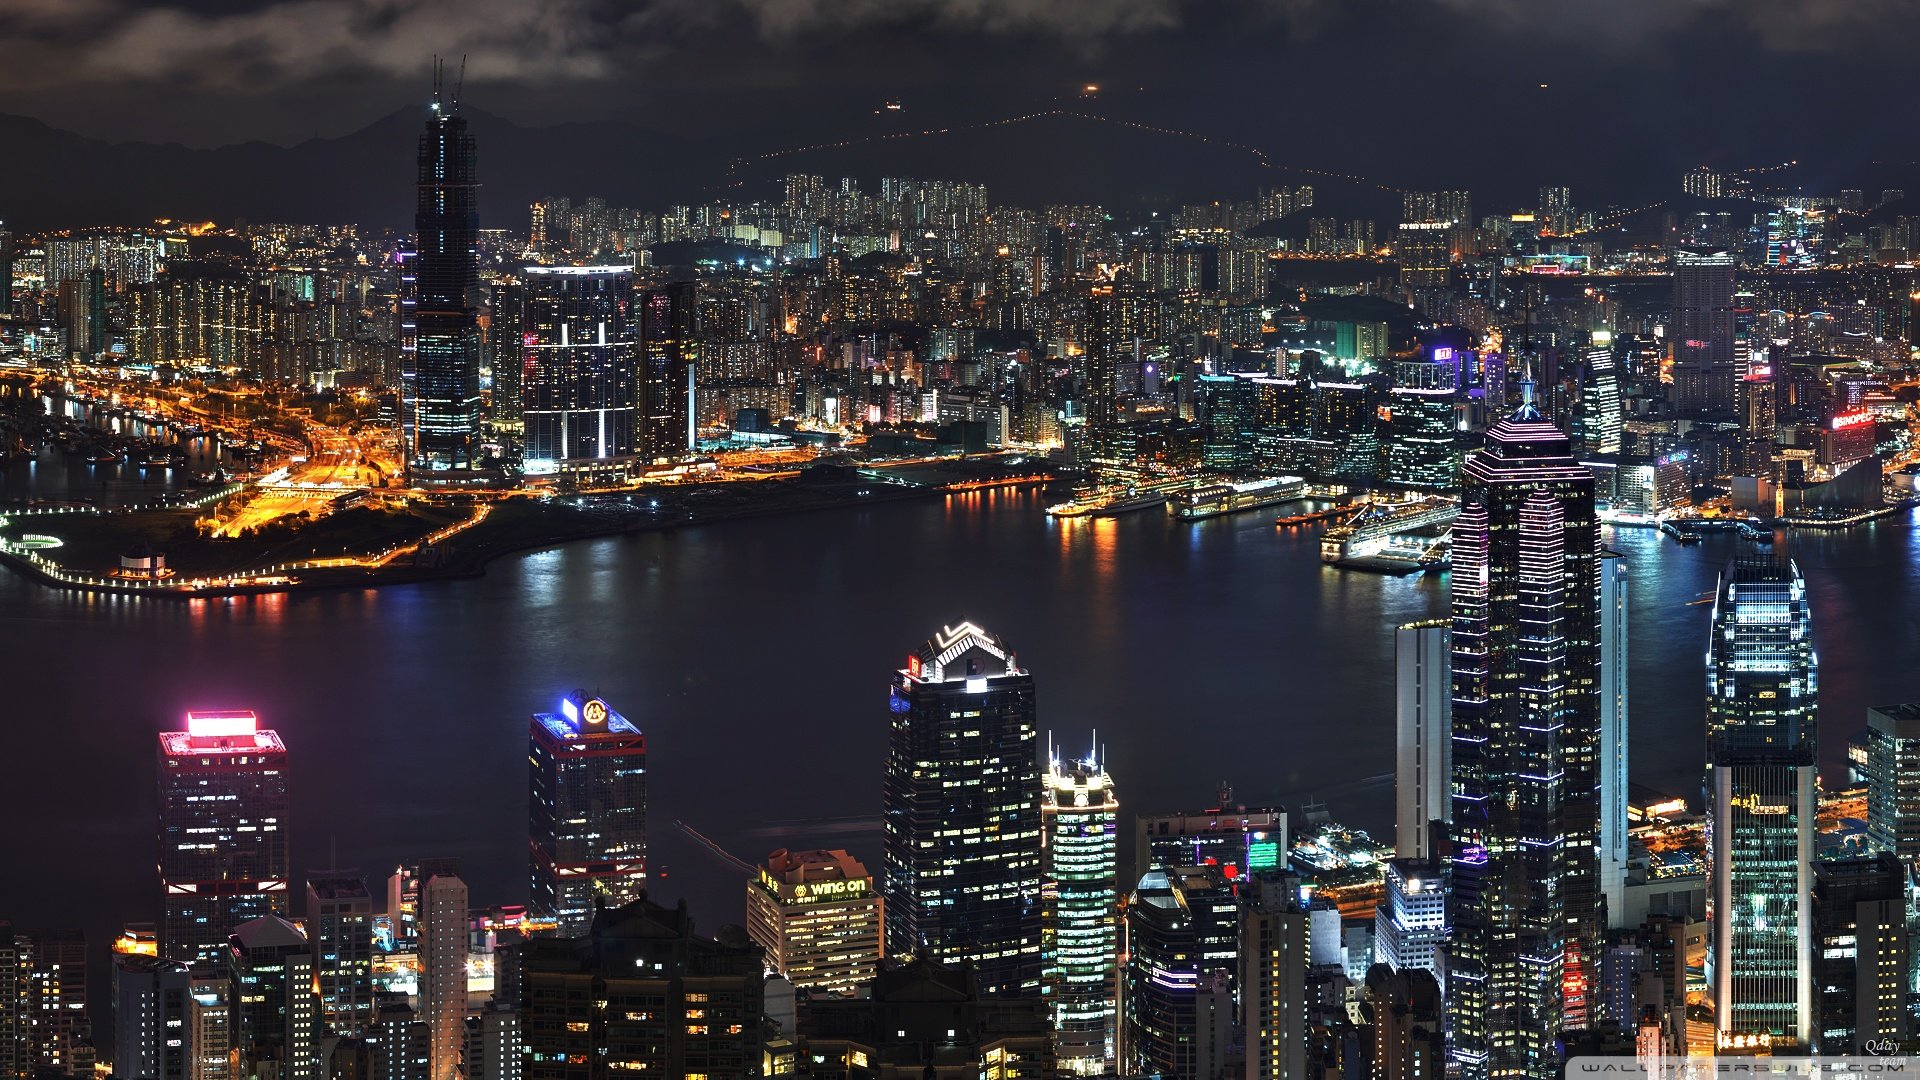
(1110, 499)
(1212, 500)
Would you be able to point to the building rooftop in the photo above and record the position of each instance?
(583, 717)
(961, 652)
(224, 732)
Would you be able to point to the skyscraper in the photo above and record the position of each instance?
(642, 993)
(1410, 924)
(580, 368)
(506, 343)
(276, 1013)
(6, 271)
(443, 388)
(443, 968)
(1893, 781)
(587, 810)
(1860, 949)
(16, 1004)
(1600, 420)
(223, 844)
(150, 1012)
(1080, 933)
(1526, 727)
(669, 353)
(1702, 332)
(340, 924)
(62, 1031)
(1405, 1007)
(962, 810)
(1182, 947)
(817, 915)
(1238, 839)
(1275, 954)
(1113, 329)
(1762, 687)
(1423, 742)
(1613, 847)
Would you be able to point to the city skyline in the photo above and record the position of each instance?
(1363, 519)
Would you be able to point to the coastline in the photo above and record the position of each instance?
(474, 564)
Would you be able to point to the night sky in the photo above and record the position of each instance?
(1433, 93)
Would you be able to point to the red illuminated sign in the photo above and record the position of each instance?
(913, 665)
(1850, 420)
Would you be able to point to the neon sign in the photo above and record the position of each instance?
(1851, 420)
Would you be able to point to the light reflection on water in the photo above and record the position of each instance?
(756, 657)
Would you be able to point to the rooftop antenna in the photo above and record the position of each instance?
(436, 83)
(460, 82)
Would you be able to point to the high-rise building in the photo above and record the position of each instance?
(918, 1017)
(1893, 781)
(1861, 954)
(962, 810)
(642, 993)
(1407, 1020)
(1275, 954)
(1409, 925)
(1702, 332)
(493, 1050)
(442, 420)
(1614, 848)
(443, 968)
(1525, 902)
(506, 351)
(669, 357)
(62, 1031)
(209, 1027)
(1113, 333)
(1599, 420)
(1423, 737)
(275, 1012)
(223, 841)
(6, 271)
(587, 810)
(1420, 453)
(1762, 689)
(16, 1004)
(340, 924)
(817, 915)
(1240, 840)
(1080, 932)
(1182, 948)
(580, 368)
(397, 1043)
(151, 1006)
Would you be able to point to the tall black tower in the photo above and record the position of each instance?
(443, 385)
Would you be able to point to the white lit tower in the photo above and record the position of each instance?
(1080, 933)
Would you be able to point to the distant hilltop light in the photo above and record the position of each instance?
(1090, 88)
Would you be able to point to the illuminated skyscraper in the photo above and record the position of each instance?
(1423, 743)
(817, 915)
(1182, 949)
(1893, 781)
(579, 369)
(1408, 927)
(1276, 952)
(1702, 332)
(340, 924)
(6, 271)
(1599, 421)
(443, 387)
(1080, 934)
(16, 1004)
(443, 968)
(1525, 903)
(151, 1003)
(669, 354)
(223, 841)
(276, 1011)
(1615, 735)
(962, 806)
(587, 810)
(1762, 690)
(1113, 332)
(1861, 954)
